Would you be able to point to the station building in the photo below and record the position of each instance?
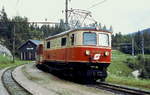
(27, 51)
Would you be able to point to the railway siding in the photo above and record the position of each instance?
(32, 87)
(11, 85)
(3, 90)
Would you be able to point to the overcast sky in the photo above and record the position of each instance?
(125, 16)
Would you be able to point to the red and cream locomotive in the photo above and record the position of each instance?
(81, 53)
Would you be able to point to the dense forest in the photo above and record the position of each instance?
(138, 40)
(24, 30)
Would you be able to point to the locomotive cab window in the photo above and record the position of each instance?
(48, 45)
(103, 39)
(89, 38)
(63, 41)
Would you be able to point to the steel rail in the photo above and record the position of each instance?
(11, 85)
(119, 89)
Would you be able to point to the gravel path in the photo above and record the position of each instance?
(56, 85)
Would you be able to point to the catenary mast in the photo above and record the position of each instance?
(66, 13)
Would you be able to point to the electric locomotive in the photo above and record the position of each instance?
(83, 53)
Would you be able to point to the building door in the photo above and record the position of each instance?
(30, 55)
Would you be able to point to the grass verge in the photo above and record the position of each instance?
(120, 73)
(7, 62)
(117, 66)
(129, 81)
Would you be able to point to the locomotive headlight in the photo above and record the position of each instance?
(106, 53)
(87, 52)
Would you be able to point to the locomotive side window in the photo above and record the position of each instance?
(72, 39)
(48, 45)
(103, 39)
(89, 38)
(63, 41)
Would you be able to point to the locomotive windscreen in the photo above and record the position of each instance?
(89, 38)
(103, 39)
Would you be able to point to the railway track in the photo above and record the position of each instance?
(121, 90)
(14, 88)
(11, 85)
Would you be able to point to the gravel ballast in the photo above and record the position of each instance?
(41, 83)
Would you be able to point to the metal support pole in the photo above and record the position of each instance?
(14, 43)
(143, 45)
(132, 46)
(66, 13)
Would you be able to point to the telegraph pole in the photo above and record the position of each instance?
(132, 46)
(143, 45)
(14, 43)
(66, 13)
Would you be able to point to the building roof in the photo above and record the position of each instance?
(36, 42)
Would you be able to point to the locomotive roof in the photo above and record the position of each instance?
(71, 30)
(62, 33)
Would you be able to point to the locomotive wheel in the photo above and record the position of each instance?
(42, 67)
(82, 77)
(38, 66)
(102, 79)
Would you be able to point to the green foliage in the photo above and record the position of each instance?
(140, 63)
(118, 39)
(7, 62)
(145, 73)
(4, 27)
(52, 30)
(120, 72)
(129, 81)
(117, 66)
(4, 60)
(24, 30)
(36, 34)
(132, 63)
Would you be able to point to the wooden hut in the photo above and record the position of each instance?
(28, 50)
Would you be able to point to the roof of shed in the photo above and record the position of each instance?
(36, 42)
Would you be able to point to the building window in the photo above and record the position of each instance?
(63, 41)
(89, 38)
(48, 44)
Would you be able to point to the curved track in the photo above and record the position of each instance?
(11, 85)
(121, 90)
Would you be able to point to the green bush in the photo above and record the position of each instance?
(7, 62)
(145, 73)
(140, 63)
(4, 60)
(132, 63)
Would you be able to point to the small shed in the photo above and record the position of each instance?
(28, 50)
